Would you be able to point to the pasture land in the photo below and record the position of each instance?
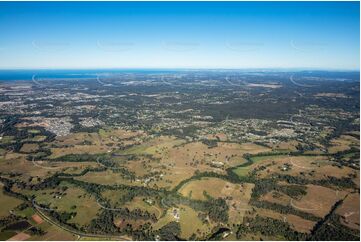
(344, 142)
(237, 195)
(318, 200)
(139, 203)
(7, 203)
(350, 211)
(67, 198)
(297, 223)
(29, 148)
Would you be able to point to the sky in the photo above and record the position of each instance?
(310, 35)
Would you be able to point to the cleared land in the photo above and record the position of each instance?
(236, 195)
(350, 211)
(7, 203)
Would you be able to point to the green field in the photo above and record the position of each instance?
(72, 200)
(7, 203)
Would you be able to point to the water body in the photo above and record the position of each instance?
(26, 75)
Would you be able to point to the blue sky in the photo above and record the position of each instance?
(317, 35)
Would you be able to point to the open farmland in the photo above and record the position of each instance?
(205, 160)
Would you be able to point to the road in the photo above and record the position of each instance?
(298, 84)
(78, 233)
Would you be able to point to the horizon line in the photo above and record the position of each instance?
(180, 68)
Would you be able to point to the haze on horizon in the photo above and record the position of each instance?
(316, 35)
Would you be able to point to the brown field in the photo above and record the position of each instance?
(310, 167)
(297, 223)
(224, 152)
(175, 175)
(300, 224)
(29, 148)
(276, 197)
(289, 146)
(195, 189)
(240, 194)
(37, 219)
(350, 211)
(344, 142)
(219, 136)
(19, 237)
(318, 200)
(143, 166)
(159, 147)
(123, 222)
(12, 155)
